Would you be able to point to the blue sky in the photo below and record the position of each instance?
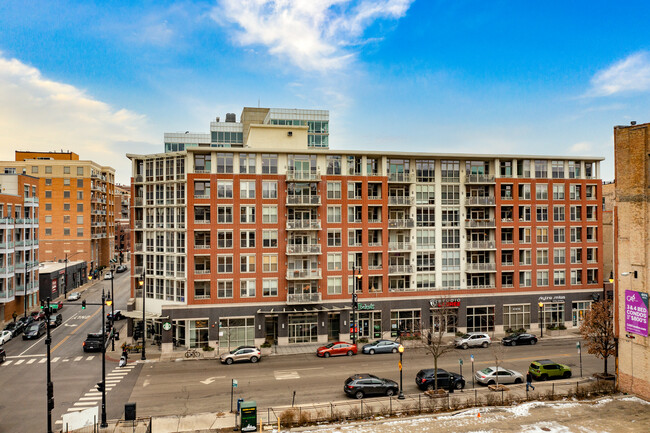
(106, 78)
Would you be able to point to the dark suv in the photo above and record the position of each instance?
(93, 342)
(425, 380)
(362, 385)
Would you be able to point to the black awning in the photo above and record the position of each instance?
(303, 309)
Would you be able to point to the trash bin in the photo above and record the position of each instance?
(248, 416)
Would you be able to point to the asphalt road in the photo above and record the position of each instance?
(197, 386)
(74, 373)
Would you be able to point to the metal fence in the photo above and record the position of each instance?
(140, 425)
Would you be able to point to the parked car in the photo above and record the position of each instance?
(118, 315)
(108, 275)
(93, 342)
(242, 353)
(519, 339)
(120, 269)
(56, 320)
(380, 346)
(25, 320)
(5, 336)
(3, 355)
(425, 380)
(488, 376)
(364, 385)
(37, 315)
(545, 369)
(16, 328)
(34, 330)
(74, 296)
(473, 339)
(337, 348)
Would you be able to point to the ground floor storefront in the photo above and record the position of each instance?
(229, 326)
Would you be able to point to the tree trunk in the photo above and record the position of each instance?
(435, 373)
(605, 362)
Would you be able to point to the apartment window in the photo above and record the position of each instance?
(451, 280)
(224, 162)
(202, 214)
(333, 214)
(525, 235)
(270, 263)
(425, 281)
(224, 264)
(224, 214)
(246, 189)
(559, 278)
(34, 169)
(48, 169)
(247, 263)
(66, 182)
(334, 262)
(247, 163)
(202, 163)
(80, 171)
(450, 261)
(270, 238)
(574, 169)
(48, 206)
(557, 169)
(525, 257)
(80, 207)
(80, 232)
(48, 194)
(542, 278)
(202, 189)
(224, 239)
(80, 219)
(426, 262)
(558, 191)
(425, 239)
(542, 235)
(558, 213)
(334, 164)
(224, 288)
(542, 213)
(576, 276)
(334, 238)
(425, 194)
(247, 214)
(541, 191)
(576, 234)
(48, 182)
(450, 217)
(506, 192)
(48, 218)
(450, 171)
(224, 189)
(480, 319)
(541, 169)
(589, 170)
(201, 289)
(247, 288)
(80, 195)
(269, 163)
(559, 256)
(269, 214)
(524, 213)
(575, 192)
(334, 190)
(559, 235)
(269, 287)
(449, 194)
(542, 256)
(525, 279)
(576, 212)
(269, 190)
(576, 256)
(80, 183)
(524, 191)
(48, 232)
(592, 276)
(590, 192)
(425, 170)
(450, 238)
(247, 239)
(425, 216)
(505, 168)
(592, 234)
(66, 232)
(334, 285)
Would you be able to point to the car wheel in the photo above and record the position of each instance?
(566, 375)
(533, 342)
(459, 385)
(326, 355)
(358, 395)
(371, 351)
(350, 353)
(394, 350)
(517, 380)
(465, 346)
(229, 361)
(490, 382)
(390, 392)
(253, 359)
(430, 387)
(485, 344)
(514, 343)
(543, 377)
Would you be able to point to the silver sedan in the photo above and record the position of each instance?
(488, 376)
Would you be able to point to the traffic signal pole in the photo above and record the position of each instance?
(104, 424)
(50, 385)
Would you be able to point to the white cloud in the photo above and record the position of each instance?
(41, 114)
(581, 147)
(631, 74)
(310, 34)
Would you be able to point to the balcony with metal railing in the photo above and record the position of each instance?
(303, 249)
(404, 223)
(20, 289)
(400, 177)
(303, 224)
(6, 246)
(481, 267)
(304, 274)
(480, 224)
(480, 245)
(481, 286)
(479, 178)
(7, 295)
(400, 269)
(376, 267)
(303, 200)
(6, 221)
(6, 271)
(294, 175)
(480, 201)
(31, 201)
(304, 298)
(400, 246)
(400, 201)
(202, 246)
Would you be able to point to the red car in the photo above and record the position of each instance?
(337, 348)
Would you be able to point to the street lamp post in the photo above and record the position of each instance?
(50, 385)
(541, 320)
(401, 389)
(112, 310)
(355, 304)
(144, 323)
(104, 424)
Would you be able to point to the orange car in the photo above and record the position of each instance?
(337, 348)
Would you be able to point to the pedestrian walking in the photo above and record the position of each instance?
(529, 381)
(14, 315)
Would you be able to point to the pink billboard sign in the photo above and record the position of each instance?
(636, 312)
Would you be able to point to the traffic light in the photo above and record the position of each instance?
(354, 301)
(83, 304)
(100, 386)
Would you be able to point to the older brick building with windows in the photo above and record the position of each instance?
(252, 233)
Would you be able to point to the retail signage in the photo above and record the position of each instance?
(636, 312)
(366, 306)
(54, 289)
(453, 303)
(552, 298)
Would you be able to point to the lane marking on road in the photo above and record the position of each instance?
(65, 360)
(7, 363)
(31, 361)
(74, 330)
(42, 361)
(24, 356)
(58, 421)
(85, 403)
(78, 358)
(52, 331)
(20, 361)
(90, 358)
(286, 374)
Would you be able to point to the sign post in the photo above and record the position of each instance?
(233, 385)
(579, 353)
(460, 362)
(471, 357)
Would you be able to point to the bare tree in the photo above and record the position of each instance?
(433, 338)
(498, 352)
(597, 330)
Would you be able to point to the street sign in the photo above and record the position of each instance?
(460, 361)
(471, 357)
(578, 345)
(234, 383)
(400, 365)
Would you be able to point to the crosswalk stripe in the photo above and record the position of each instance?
(31, 361)
(20, 361)
(78, 358)
(85, 403)
(55, 359)
(99, 397)
(58, 421)
(75, 409)
(42, 361)
(89, 358)
(7, 362)
(65, 360)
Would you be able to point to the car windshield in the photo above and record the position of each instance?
(514, 335)
(487, 370)
(466, 336)
(329, 346)
(10, 326)
(33, 327)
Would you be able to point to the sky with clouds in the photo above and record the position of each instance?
(106, 78)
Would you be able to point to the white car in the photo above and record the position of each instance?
(488, 376)
(74, 296)
(5, 336)
(108, 275)
(473, 339)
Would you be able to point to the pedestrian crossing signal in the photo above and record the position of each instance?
(100, 386)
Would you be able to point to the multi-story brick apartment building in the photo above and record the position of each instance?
(631, 253)
(77, 198)
(19, 244)
(253, 232)
(122, 220)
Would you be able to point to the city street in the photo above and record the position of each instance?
(74, 372)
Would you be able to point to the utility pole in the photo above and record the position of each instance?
(104, 424)
(112, 310)
(50, 385)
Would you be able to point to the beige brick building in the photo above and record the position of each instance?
(77, 205)
(632, 250)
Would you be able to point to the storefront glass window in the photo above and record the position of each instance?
(234, 332)
(580, 308)
(480, 319)
(369, 324)
(408, 322)
(516, 317)
(303, 328)
(553, 314)
(198, 333)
